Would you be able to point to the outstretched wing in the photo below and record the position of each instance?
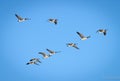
(32, 59)
(75, 47)
(35, 59)
(55, 21)
(27, 63)
(50, 51)
(100, 30)
(50, 20)
(81, 35)
(19, 18)
(38, 60)
(42, 53)
(104, 33)
(69, 44)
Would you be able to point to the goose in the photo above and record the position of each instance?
(20, 19)
(82, 36)
(55, 21)
(44, 55)
(35, 59)
(52, 52)
(104, 31)
(32, 62)
(72, 45)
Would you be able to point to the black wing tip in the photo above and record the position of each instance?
(78, 32)
(16, 15)
(104, 33)
(27, 63)
(55, 23)
(39, 52)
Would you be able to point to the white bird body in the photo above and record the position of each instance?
(84, 38)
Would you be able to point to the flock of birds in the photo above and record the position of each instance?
(36, 61)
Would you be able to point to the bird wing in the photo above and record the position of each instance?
(20, 18)
(50, 20)
(27, 63)
(35, 63)
(38, 60)
(55, 21)
(81, 35)
(97, 31)
(104, 33)
(75, 47)
(35, 59)
(32, 59)
(50, 51)
(68, 44)
(42, 53)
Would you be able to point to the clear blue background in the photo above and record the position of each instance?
(98, 58)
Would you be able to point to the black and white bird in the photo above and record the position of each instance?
(20, 19)
(36, 60)
(104, 31)
(52, 52)
(32, 62)
(44, 55)
(82, 36)
(72, 45)
(55, 21)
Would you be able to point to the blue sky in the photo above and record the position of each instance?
(96, 60)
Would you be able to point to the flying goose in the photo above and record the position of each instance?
(72, 45)
(82, 36)
(32, 62)
(35, 59)
(52, 52)
(104, 31)
(20, 19)
(44, 55)
(55, 21)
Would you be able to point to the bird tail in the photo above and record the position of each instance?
(97, 31)
(67, 44)
(88, 36)
(106, 29)
(27, 19)
(57, 51)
